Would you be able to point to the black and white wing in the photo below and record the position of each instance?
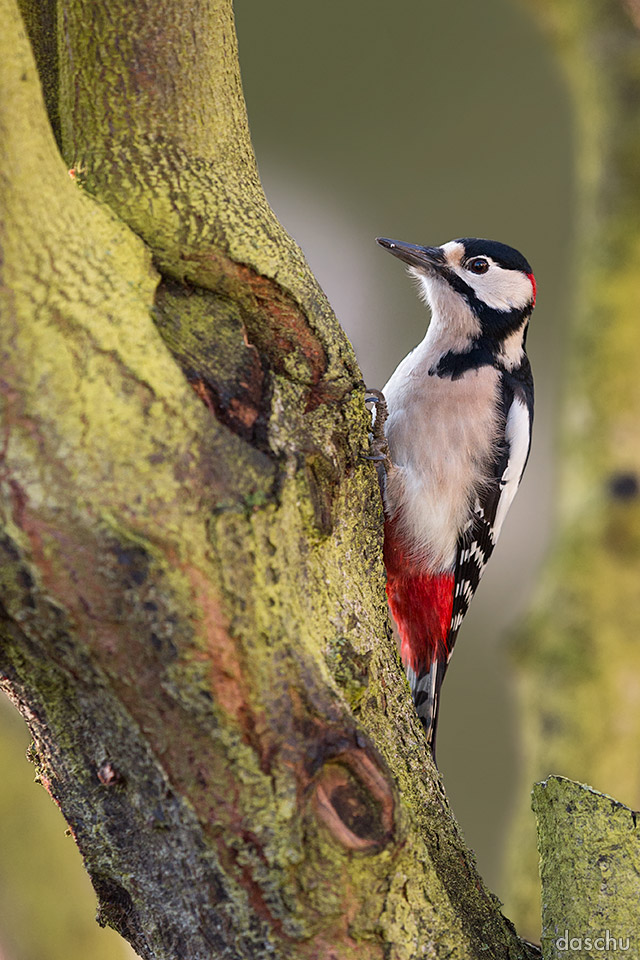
(483, 529)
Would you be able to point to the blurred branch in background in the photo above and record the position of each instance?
(579, 657)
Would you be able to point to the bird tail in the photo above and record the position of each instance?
(422, 606)
(425, 690)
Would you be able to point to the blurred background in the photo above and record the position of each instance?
(420, 121)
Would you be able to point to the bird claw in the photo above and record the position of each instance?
(379, 446)
(382, 412)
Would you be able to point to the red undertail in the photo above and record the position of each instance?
(421, 605)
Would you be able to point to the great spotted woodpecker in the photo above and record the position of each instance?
(452, 430)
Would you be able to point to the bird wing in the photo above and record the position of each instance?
(481, 533)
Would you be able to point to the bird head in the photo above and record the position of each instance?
(490, 281)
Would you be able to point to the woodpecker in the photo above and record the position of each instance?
(452, 432)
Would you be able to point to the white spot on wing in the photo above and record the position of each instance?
(518, 435)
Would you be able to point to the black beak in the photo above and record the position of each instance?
(427, 258)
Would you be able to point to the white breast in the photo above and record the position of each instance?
(441, 435)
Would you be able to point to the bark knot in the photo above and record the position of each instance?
(354, 800)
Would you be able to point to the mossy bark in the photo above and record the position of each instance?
(590, 867)
(192, 595)
(578, 662)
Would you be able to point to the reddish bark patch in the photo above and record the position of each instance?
(286, 323)
(275, 322)
(207, 336)
(238, 412)
(324, 392)
(205, 393)
(19, 501)
(227, 682)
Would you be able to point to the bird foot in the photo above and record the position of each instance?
(379, 446)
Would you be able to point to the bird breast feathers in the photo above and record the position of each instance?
(442, 437)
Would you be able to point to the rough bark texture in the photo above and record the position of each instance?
(192, 594)
(579, 660)
(590, 867)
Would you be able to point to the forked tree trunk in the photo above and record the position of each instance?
(193, 612)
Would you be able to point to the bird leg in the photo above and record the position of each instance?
(379, 446)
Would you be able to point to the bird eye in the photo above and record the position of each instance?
(479, 265)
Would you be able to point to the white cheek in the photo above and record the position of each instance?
(500, 289)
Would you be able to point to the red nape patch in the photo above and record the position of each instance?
(421, 606)
(533, 284)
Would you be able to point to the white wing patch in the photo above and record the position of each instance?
(518, 436)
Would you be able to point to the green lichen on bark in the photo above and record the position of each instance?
(589, 848)
(578, 661)
(191, 539)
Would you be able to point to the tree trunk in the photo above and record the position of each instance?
(193, 613)
(579, 659)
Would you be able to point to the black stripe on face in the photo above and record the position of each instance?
(495, 324)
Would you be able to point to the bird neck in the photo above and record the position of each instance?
(450, 353)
